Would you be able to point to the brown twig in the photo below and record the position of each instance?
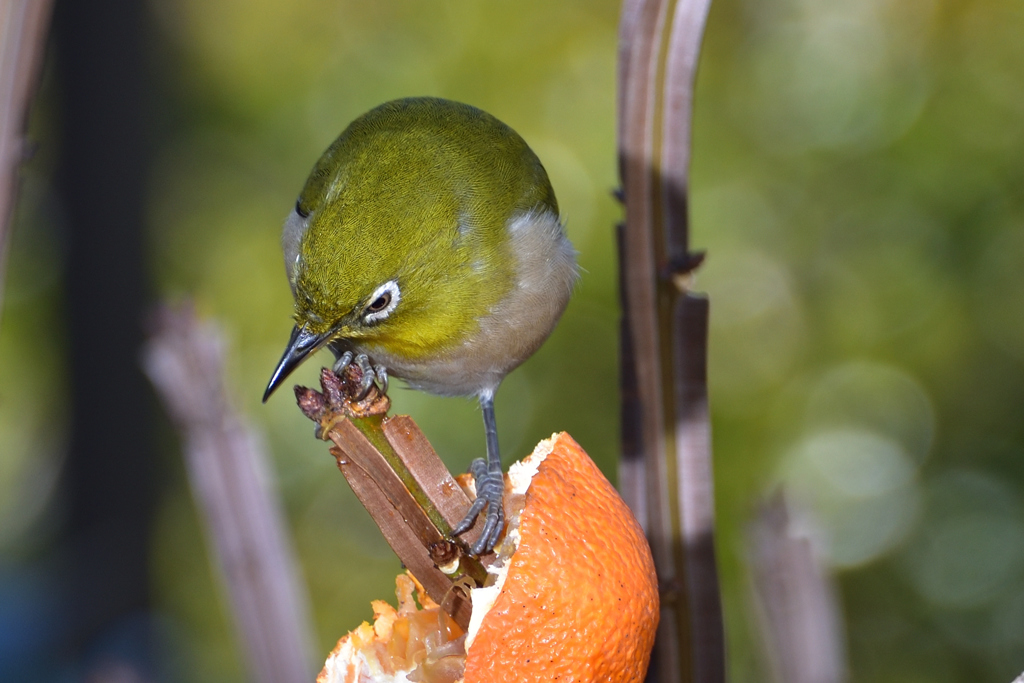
(666, 471)
(229, 473)
(23, 26)
(401, 481)
(796, 602)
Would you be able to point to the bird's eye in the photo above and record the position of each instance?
(382, 302)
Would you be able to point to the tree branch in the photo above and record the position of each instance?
(664, 361)
(231, 480)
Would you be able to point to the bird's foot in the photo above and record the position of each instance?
(370, 373)
(490, 486)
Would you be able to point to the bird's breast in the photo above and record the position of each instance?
(511, 330)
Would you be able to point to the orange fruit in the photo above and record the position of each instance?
(575, 597)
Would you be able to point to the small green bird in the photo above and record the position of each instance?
(427, 245)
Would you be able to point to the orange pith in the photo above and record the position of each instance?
(578, 601)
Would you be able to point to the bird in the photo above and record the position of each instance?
(427, 245)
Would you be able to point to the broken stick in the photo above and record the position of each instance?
(401, 481)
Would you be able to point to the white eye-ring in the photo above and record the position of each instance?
(382, 302)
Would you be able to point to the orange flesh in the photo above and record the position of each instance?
(424, 642)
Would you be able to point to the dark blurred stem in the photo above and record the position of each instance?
(109, 477)
(230, 475)
(664, 363)
(23, 24)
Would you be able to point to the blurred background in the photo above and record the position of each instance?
(858, 183)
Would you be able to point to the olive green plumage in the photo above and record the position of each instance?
(419, 191)
(427, 245)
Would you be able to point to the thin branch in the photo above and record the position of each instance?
(23, 25)
(801, 625)
(231, 480)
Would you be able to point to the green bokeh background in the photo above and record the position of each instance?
(858, 183)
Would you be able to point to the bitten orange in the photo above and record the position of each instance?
(576, 598)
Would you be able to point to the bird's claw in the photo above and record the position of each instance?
(370, 373)
(490, 487)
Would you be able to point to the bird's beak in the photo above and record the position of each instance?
(302, 344)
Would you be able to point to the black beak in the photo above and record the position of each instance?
(301, 345)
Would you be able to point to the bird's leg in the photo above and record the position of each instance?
(490, 485)
(371, 373)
